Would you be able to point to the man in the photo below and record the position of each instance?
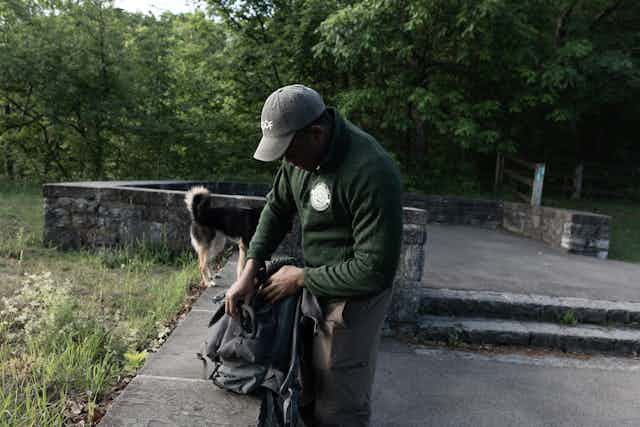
(347, 193)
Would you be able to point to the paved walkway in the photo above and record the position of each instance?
(417, 386)
(170, 390)
(470, 258)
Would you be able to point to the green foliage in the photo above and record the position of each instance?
(134, 360)
(55, 345)
(76, 322)
(569, 318)
(88, 91)
(142, 255)
(455, 336)
(20, 223)
(30, 311)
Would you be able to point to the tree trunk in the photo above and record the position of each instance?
(577, 181)
(497, 183)
(10, 167)
(418, 149)
(420, 145)
(98, 165)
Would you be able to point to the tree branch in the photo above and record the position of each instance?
(605, 13)
(17, 126)
(561, 24)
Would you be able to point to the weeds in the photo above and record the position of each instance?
(141, 255)
(569, 318)
(72, 324)
(57, 348)
(454, 336)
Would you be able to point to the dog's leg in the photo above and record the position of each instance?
(207, 269)
(215, 249)
(202, 263)
(201, 249)
(204, 255)
(242, 253)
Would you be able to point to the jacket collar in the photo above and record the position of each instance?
(337, 144)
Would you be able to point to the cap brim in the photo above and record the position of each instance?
(272, 147)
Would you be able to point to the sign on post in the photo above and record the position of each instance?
(538, 180)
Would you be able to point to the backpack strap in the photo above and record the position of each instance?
(279, 406)
(290, 388)
(217, 316)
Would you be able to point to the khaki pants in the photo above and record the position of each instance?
(340, 362)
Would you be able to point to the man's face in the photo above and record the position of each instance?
(301, 149)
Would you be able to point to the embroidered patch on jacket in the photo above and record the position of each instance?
(320, 196)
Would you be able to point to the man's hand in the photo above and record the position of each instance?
(284, 282)
(243, 288)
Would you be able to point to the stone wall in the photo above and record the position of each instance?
(113, 213)
(458, 210)
(407, 287)
(576, 232)
(220, 187)
(109, 214)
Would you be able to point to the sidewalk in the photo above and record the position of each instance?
(415, 386)
(433, 387)
(170, 389)
(475, 259)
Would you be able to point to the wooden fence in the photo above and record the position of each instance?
(518, 177)
(594, 180)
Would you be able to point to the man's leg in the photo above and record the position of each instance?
(344, 358)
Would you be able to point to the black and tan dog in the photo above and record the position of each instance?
(212, 225)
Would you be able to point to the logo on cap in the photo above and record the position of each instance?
(266, 124)
(320, 196)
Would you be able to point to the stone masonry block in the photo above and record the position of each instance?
(412, 262)
(415, 216)
(414, 234)
(405, 304)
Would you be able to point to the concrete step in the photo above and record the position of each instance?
(538, 308)
(579, 339)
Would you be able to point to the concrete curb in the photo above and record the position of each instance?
(171, 388)
(537, 308)
(582, 338)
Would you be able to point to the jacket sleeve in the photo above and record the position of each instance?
(275, 219)
(375, 203)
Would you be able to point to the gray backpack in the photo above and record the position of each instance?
(259, 354)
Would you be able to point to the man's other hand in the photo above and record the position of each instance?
(284, 282)
(242, 289)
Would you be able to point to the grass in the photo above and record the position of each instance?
(73, 324)
(569, 318)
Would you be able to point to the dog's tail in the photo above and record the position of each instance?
(193, 198)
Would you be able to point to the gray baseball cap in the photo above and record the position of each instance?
(285, 111)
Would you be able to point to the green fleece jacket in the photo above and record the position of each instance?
(350, 211)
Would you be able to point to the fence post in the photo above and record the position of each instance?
(577, 181)
(498, 179)
(538, 180)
